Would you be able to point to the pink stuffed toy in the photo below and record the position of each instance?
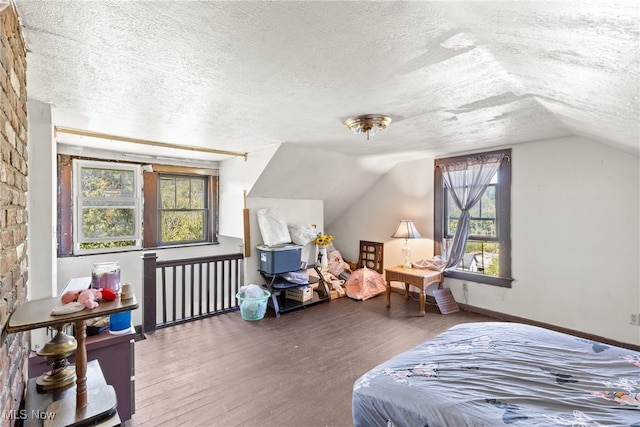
(89, 297)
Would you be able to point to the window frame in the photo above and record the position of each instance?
(151, 186)
(78, 237)
(147, 178)
(503, 220)
(207, 214)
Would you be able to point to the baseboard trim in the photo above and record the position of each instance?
(515, 319)
(510, 318)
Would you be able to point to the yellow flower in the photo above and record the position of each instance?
(323, 240)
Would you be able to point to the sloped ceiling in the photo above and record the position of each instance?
(242, 75)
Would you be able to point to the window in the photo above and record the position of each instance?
(180, 206)
(487, 257)
(107, 208)
(112, 206)
(183, 209)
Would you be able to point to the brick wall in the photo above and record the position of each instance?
(13, 211)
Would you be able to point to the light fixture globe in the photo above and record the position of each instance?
(368, 123)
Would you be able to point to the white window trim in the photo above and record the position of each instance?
(77, 206)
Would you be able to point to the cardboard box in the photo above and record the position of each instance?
(281, 259)
(335, 294)
(301, 294)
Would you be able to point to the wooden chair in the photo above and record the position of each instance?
(371, 255)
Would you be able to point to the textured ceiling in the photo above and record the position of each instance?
(241, 75)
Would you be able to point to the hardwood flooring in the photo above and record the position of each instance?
(296, 370)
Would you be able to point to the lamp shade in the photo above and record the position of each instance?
(406, 230)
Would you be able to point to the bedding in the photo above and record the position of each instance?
(497, 373)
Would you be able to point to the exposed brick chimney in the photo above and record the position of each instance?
(14, 349)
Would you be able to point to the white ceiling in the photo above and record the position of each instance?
(241, 75)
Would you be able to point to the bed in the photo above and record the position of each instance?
(497, 373)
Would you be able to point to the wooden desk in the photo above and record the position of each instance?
(417, 277)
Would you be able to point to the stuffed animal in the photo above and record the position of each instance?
(89, 297)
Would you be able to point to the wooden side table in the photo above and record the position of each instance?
(40, 409)
(116, 356)
(417, 277)
(37, 314)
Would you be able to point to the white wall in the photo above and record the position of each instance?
(575, 237)
(41, 202)
(575, 234)
(405, 192)
(42, 208)
(300, 172)
(237, 176)
(296, 212)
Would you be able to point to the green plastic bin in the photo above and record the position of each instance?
(253, 308)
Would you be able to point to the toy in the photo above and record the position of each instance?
(89, 297)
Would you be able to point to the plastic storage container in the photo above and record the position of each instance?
(282, 259)
(120, 323)
(253, 308)
(106, 275)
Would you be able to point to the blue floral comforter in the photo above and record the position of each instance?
(495, 373)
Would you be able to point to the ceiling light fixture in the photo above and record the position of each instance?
(369, 124)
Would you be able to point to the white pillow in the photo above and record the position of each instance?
(273, 227)
(302, 234)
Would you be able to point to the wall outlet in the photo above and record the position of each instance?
(464, 287)
(634, 319)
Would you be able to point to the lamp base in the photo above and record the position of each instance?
(406, 254)
(56, 379)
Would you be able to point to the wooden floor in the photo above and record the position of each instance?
(297, 370)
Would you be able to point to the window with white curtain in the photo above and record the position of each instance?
(487, 254)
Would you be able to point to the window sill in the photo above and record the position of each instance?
(123, 250)
(103, 251)
(185, 245)
(480, 278)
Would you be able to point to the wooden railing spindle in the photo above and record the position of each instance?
(215, 279)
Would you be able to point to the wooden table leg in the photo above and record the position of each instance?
(406, 290)
(388, 294)
(81, 365)
(422, 302)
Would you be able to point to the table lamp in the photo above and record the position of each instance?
(406, 230)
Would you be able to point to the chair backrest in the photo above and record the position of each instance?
(371, 255)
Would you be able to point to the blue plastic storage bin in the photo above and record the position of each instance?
(281, 259)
